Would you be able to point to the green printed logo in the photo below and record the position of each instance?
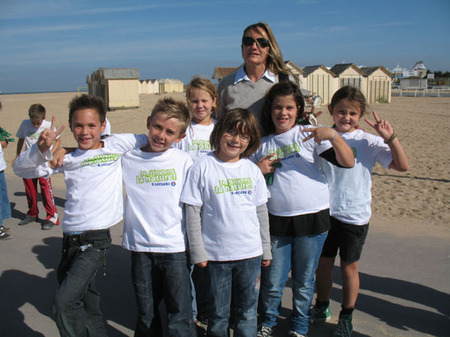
(285, 151)
(233, 185)
(156, 176)
(101, 159)
(199, 144)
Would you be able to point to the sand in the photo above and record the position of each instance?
(419, 196)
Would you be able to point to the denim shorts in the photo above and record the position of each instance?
(349, 239)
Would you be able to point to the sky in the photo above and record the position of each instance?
(52, 45)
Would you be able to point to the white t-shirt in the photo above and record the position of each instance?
(93, 181)
(350, 196)
(196, 142)
(228, 194)
(299, 186)
(154, 219)
(30, 133)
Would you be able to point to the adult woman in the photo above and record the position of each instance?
(263, 66)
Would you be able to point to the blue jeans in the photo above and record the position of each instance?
(240, 278)
(77, 304)
(301, 253)
(157, 277)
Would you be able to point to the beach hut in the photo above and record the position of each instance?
(378, 84)
(349, 74)
(221, 72)
(297, 72)
(119, 87)
(167, 85)
(149, 86)
(319, 80)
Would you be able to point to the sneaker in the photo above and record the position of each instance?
(46, 225)
(344, 327)
(28, 219)
(265, 331)
(320, 314)
(295, 334)
(3, 229)
(4, 236)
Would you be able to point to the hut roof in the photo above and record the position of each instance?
(221, 72)
(310, 69)
(371, 70)
(340, 68)
(119, 73)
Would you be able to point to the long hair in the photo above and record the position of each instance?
(275, 61)
(280, 89)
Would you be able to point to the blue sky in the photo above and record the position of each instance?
(51, 45)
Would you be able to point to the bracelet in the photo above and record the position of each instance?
(334, 137)
(390, 140)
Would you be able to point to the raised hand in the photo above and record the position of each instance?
(320, 134)
(49, 136)
(381, 126)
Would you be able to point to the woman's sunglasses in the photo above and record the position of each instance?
(248, 41)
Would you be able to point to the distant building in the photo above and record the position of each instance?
(167, 85)
(319, 80)
(420, 69)
(378, 84)
(349, 74)
(119, 87)
(149, 86)
(221, 72)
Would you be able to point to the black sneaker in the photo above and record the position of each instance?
(28, 219)
(47, 224)
(344, 327)
(4, 236)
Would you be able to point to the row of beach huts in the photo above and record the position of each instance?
(121, 87)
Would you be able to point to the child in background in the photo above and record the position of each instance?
(93, 177)
(298, 207)
(225, 197)
(28, 133)
(154, 228)
(350, 200)
(201, 98)
(5, 207)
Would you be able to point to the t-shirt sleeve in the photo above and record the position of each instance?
(192, 190)
(383, 153)
(21, 132)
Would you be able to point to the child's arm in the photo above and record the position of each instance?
(385, 130)
(263, 218)
(344, 154)
(18, 150)
(194, 232)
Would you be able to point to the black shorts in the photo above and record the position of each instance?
(349, 239)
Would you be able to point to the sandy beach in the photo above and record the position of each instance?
(421, 194)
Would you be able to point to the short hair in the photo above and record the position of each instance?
(242, 121)
(351, 93)
(202, 84)
(87, 102)
(280, 89)
(173, 109)
(275, 62)
(36, 111)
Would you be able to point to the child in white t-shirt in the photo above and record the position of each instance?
(225, 195)
(201, 98)
(350, 200)
(298, 207)
(93, 177)
(154, 228)
(28, 133)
